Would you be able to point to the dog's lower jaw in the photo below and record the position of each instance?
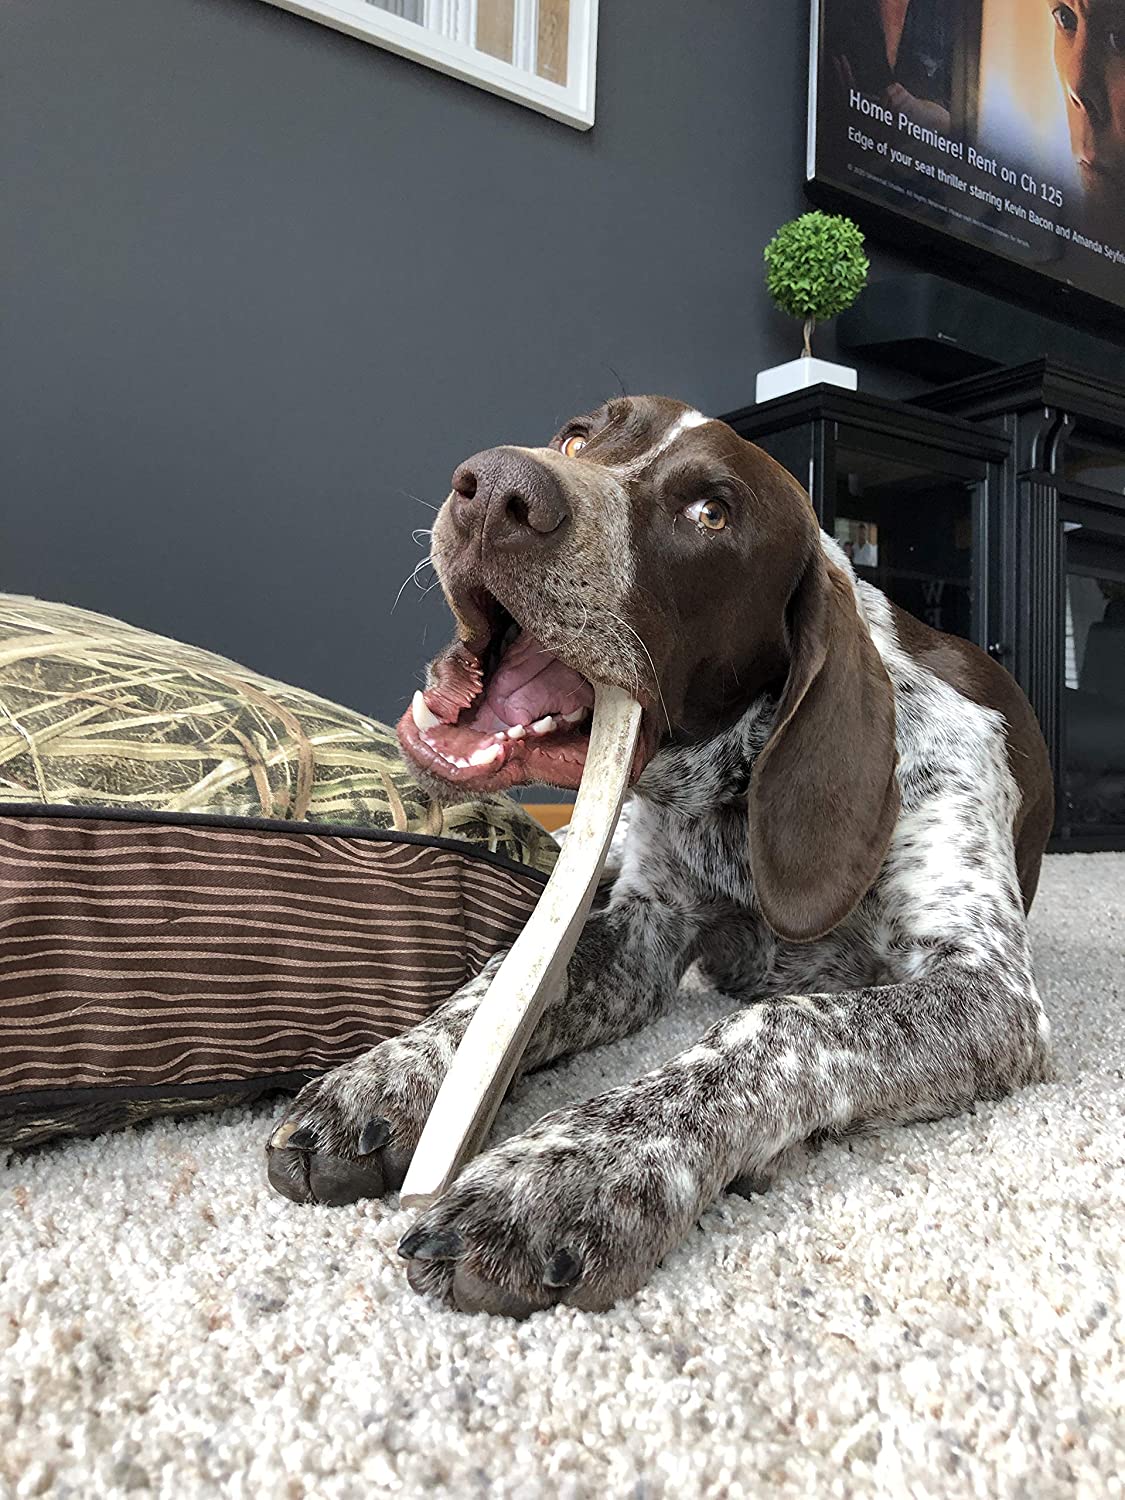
(441, 792)
(521, 763)
(555, 759)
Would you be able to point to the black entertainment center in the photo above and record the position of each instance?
(965, 132)
(993, 508)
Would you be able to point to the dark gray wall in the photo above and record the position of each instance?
(267, 284)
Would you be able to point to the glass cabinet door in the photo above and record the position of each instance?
(1093, 695)
(909, 529)
(1095, 461)
(795, 448)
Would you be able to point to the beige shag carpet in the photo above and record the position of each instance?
(932, 1311)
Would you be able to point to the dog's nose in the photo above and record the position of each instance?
(509, 496)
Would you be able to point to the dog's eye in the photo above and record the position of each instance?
(572, 445)
(708, 515)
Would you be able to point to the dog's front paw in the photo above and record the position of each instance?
(351, 1134)
(567, 1212)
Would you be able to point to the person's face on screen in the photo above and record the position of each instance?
(1090, 58)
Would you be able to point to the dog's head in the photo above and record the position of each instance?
(654, 549)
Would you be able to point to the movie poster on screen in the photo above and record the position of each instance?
(1001, 122)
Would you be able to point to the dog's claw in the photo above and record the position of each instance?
(425, 1244)
(563, 1270)
(376, 1133)
(303, 1139)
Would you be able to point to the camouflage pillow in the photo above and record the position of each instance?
(213, 884)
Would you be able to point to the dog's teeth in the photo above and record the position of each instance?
(485, 755)
(517, 731)
(543, 726)
(424, 717)
(579, 713)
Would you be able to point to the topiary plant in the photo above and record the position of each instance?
(816, 268)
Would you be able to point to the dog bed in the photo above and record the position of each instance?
(212, 884)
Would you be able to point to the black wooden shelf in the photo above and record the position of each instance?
(984, 475)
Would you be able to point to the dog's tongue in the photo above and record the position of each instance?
(527, 684)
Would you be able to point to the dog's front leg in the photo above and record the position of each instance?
(351, 1134)
(581, 1207)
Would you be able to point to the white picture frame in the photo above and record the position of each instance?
(445, 39)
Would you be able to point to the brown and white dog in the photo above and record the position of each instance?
(838, 813)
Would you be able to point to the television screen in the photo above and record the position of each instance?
(1000, 123)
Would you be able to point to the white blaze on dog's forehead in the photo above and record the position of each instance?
(675, 430)
(688, 419)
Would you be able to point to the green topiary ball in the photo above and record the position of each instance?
(815, 266)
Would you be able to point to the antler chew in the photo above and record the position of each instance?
(535, 967)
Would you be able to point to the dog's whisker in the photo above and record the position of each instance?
(652, 664)
(574, 635)
(412, 577)
(410, 496)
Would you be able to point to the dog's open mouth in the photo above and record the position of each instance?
(509, 714)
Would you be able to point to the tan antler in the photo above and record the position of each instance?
(535, 967)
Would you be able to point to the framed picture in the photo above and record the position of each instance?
(538, 52)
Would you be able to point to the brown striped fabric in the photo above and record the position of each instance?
(212, 882)
(172, 966)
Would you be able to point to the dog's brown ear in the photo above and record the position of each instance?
(823, 795)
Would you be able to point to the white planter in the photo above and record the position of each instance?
(801, 373)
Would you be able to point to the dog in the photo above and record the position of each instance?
(837, 812)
